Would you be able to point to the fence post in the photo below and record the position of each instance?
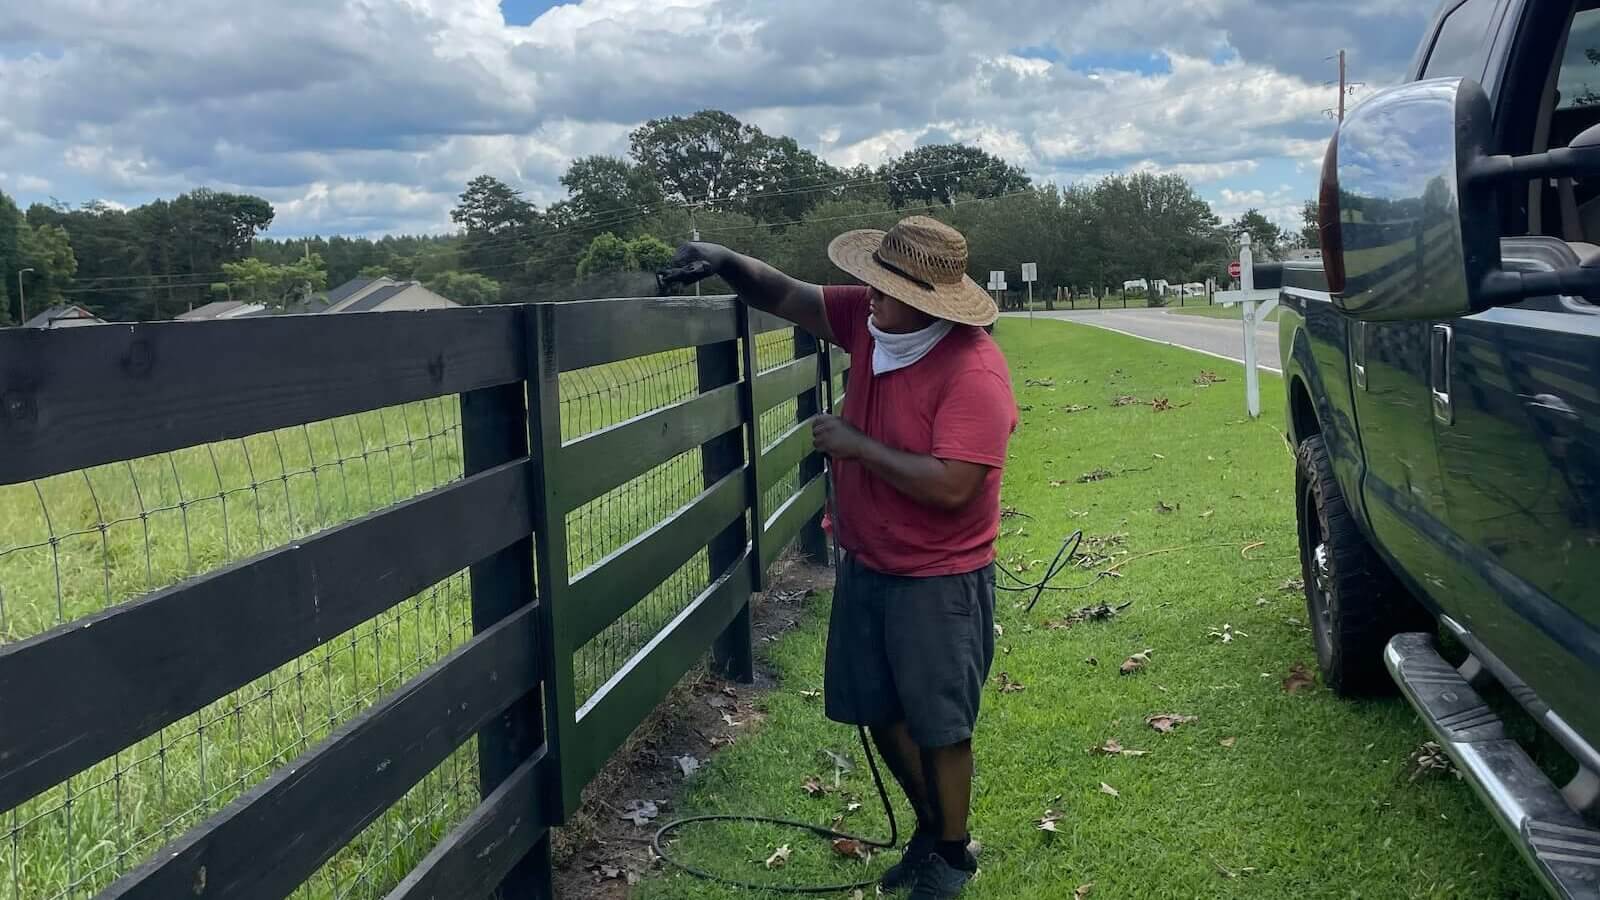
(494, 430)
(813, 544)
(550, 545)
(732, 655)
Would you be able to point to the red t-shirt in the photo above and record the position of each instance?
(954, 403)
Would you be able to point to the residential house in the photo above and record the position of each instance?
(64, 317)
(383, 294)
(221, 309)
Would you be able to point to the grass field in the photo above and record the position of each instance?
(78, 543)
(1266, 794)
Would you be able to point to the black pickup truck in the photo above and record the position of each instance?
(1442, 363)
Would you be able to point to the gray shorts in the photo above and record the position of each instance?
(917, 649)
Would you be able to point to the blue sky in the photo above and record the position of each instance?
(369, 116)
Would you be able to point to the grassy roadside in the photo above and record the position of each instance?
(1265, 794)
(1219, 312)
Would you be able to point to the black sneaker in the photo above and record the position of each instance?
(901, 873)
(938, 880)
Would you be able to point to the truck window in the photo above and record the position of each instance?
(1579, 80)
(1463, 38)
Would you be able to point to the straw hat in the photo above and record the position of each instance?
(921, 262)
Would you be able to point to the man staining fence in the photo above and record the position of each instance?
(917, 461)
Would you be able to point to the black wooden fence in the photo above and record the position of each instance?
(94, 686)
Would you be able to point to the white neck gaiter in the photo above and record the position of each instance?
(897, 351)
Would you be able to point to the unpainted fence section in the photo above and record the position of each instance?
(356, 606)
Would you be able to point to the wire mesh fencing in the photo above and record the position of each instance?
(82, 542)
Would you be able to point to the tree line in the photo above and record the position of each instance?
(707, 174)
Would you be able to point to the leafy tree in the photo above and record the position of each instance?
(605, 192)
(501, 227)
(1153, 226)
(938, 173)
(258, 281)
(372, 272)
(465, 288)
(1266, 238)
(606, 253)
(46, 250)
(1310, 227)
(649, 252)
(11, 223)
(713, 158)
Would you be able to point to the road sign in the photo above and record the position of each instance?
(1233, 269)
(997, 280)
(1030, 272)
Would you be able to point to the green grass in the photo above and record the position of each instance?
(1314, 798)
(1221, 312)
(78, 543)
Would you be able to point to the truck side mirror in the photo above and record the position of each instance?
(1408, 208)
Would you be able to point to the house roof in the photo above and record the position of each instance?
(59, 313)
(349, 287)
(308, 307)
(377, 297)
(213, 310)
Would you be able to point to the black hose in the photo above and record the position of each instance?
(1063, 558)
(829, 833)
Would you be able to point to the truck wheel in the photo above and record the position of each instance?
(1354, 601)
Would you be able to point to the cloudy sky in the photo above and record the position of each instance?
(369, 116)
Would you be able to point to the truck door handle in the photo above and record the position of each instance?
(1358, 355)
(1442, 358)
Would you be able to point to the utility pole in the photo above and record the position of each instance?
(694, 235)
(22, 295)
(1341, 86)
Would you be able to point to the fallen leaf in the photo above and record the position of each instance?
(999, 630)
(1007, 512)
(1097, 475)
(688, 764)
(1025, 407)
(1158, 456)
(1058, 483)
(1165, 722)
(1228, 741)
(1136, 662)
(639, 812)
(1112, 747)
(1226, 634)
(1048, 821)
(1126, 400)
(814, 786)
(852, 806)
(1091, 661)
(1208, 514)
(858, 895)
(1074, 408)
(728, 691)
(719, 701)
(1007, 686)
(852, 848)
(728, 720)
(1299, 677)
(779, 857)
(1293, 585)
(607, 871)
(811, 695)
(1208, 378)
(1161, 404)
(1163, 508)
(1108, 789)
(1430, 759)
(1082, 891)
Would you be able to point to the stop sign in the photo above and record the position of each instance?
(1233, 269)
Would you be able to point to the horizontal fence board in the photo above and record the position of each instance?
(611, 714)
(471, 860)
(596, 463)
(268, 841)
(839, 359)
(788, 519)
(80, 397)
(613, 585)
(785, 382)
(786, 452)
(593, 332)
(75, 695)
(762, 322)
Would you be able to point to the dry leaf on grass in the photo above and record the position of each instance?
(1136, 662)
(811, 695)
(1226, 634)
(779, 857)
(1293, 585)
(851, 848)
(1228, 741)
(1058, 483)
(1161, 404)
(852, 806)
(1163, 508)
(1430, 759)
(730, 692)
(1091, 661)
(728, 720)
(1048, 821)
(858, 895)
(687, 764)
(720, 701)
(639, 812)
(1157, 456)
(1082, 891)
(1126, 400)
(1075, 408)
(1208, 378)
(1008, 686)
(1165, 722)
(1109, 790)
(840, 761)
(1100, 474)
(1113, 747)
(999, 630)
(813, 786)
(1299, 677)
(1208, 514)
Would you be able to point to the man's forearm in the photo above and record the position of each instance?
(756, 283)
(925, 479)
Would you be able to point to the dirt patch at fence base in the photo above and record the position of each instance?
(599, 854)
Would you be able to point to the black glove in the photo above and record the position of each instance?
(693, 262)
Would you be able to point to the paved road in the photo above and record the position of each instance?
(1218, 337)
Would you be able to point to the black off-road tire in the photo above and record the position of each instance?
(1354, 602)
